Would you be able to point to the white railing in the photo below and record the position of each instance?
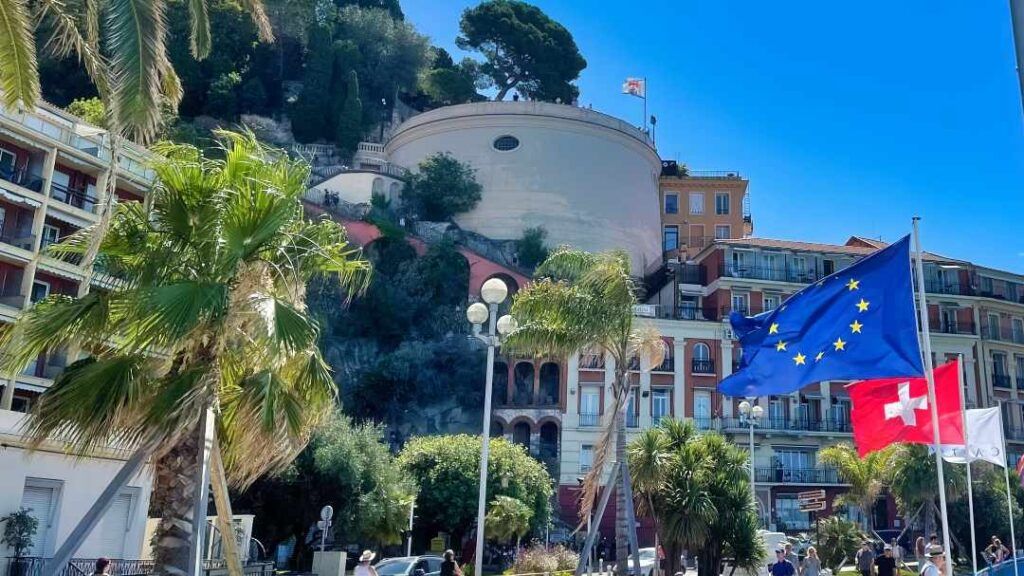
(371, 147)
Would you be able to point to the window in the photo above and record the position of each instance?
(110, 535)
(840, 411)
(696, 203)
(799, 265)
(740, 303)
(828, 267)
(702, 408)
(986, 286)
(777, 411)
(671, 203)
(771, 302)
(771, 266)
(40, 290)
(506, 143)
(998, 363)
(993, 326)
(661, 406)
(586, 457)
(787, 508)
(631, 414)
(51, 235)
(1018, 330)
(42, 498)
(1019, 361)
(739, 263)
(8, 160)
(590, 405)
(701, 351)
(794, 459)
(722, 203)
(670, 238)
(702, 362)
(722, 232)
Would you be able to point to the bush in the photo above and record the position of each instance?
(539, 558)
(530, 249)
(442, 188)
(91, 110)
(21, 527)
(837, 539)
(222, 100)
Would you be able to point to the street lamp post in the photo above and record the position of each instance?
(750, 416)
(493, 292)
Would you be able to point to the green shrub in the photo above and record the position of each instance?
(837, 539)
(21, 527)
(539, 558)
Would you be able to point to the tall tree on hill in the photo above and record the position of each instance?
(582, 301)
(524, 50)
(349, 128)
(310, 114)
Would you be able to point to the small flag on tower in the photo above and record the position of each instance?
(896, 410)
(635, 87)
(856, 324)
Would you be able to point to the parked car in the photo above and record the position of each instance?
(648, 559)
(407, 565)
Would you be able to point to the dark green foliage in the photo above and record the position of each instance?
(446, 468)
(349, 129)
(19, 528)
(447, 83)
(524, 50)
(309, 115)
(838, 540)
(348, 466)
(89, 109)
(442, 188)
(252, 96)
(222, 100)
(990, 514)
(530, 249)
(392, 7)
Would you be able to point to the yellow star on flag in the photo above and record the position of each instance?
(863, 305)
(839, 344)
(781, 346)
(819, 356)
(799, 358)
(856, 326)
(774, 328)
(853, 284)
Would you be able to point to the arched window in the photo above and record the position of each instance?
(500, 383)
(521, 434)
(701, 351)
(702, 362)
(524, 384)
(394, 190)
(549, 383)
(497, 429)
(549, 440)
(378, 187)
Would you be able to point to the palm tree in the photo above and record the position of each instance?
(866, 476)
(912, 481)
(208, 322)
(508, 519)
(584, 301)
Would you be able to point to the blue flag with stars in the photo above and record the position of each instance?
(856, 324)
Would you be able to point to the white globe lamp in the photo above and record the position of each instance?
(494, 291)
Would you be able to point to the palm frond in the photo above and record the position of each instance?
(19, 78)
(53, 322)
(67, 40)
(199, 39)
(646, 343)
(259, 17)
(136, 39)
(170, 85)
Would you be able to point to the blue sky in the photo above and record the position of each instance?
(847, 117)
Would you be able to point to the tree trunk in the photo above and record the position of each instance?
(622, 526)
(174, 484)
(672, 562)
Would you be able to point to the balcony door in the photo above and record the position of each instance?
(590, 405)
(42, 498)
(702, 408)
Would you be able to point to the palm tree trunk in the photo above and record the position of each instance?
(174, 485)
(621, 516)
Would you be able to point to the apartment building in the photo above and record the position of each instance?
(53, 171)
(973, 312)
(699, 206)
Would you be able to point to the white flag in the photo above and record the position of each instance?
(635, 87)
(984, 439)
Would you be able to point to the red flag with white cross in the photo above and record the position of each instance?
(893, 410)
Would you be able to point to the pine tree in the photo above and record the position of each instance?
(349, 127)
(309, 118)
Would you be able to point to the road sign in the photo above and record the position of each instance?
(811, 495)
(812, 507)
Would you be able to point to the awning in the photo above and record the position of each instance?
(18, 198)
(56, 212)
(49, 265)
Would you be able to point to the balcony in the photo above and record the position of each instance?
(1014, 433)
(25, 240)
(829, 425)
(1001, 380)
(72, 197)
(1020, 382)
(949, 288)
(703, 367)
(698, 314)
(22, 178)
(769, 273)
(961, 327)
(690, 274)
(777, 475)
(590, 420)
(705, 423)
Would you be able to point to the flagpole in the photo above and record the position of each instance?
(967, 459)
(645, 105)
(929, 374)
(1009, 500)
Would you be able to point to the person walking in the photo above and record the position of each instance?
(449, 567)
(782, 567)
(920, 549)
(885, 565)
(792, 557)
(865, 559)
(936, 561)
(102, 566)
(364, 568)
(811, 565)
(996, 551)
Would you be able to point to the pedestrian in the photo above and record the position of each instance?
(449, 567)
(812, 564)
(364, 568)
(102, 565)
(865, 559)
(934, 540)
(996, 551)
(793, 558)
(885, 565)
(919, 548)
(936, 561)
(782, 567)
